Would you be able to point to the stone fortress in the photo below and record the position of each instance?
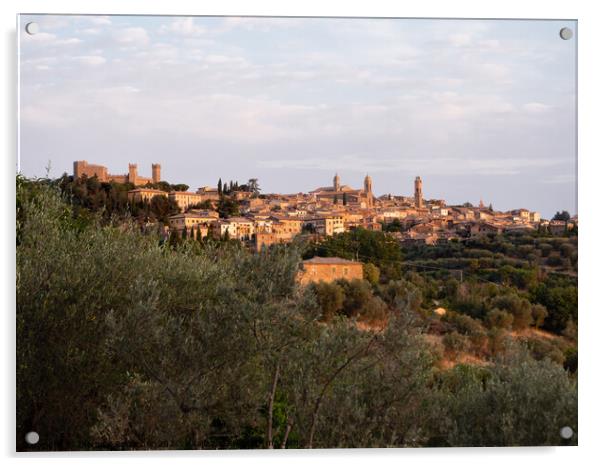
(83, 168)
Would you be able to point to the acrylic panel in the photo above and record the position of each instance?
(295, 232)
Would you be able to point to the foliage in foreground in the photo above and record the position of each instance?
(123, 343)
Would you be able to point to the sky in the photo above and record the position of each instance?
(480, 109)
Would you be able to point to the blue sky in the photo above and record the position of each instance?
(479, 109)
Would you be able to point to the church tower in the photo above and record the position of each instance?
(336, 182)
(368, 190)
(368, 184)
(418, 192)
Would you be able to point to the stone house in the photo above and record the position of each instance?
(329, 269)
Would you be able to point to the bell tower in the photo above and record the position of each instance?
(368, 189)
(336, 182)
(418, 192)
(368, 184)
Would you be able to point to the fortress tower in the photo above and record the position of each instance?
(418, 192)
(133, 173)
(83, 168)
(156, 172)
(336, 182)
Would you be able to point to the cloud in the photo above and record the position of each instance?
(460, 39)
(132, 36)
(536, 107)
(91, 60)
(183, 27)
(90, 31)
(427, 165)
(99, 20)
(69, 41)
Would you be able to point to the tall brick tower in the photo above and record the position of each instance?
(133, 173)
(418, 192)
(156, 172)
(368, 184)
(368, 189)
(336, 182)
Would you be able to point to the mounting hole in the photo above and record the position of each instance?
(566, 432)
(566, 33)
(32, 28)
(32, 437)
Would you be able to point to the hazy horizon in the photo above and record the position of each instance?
(480, 109)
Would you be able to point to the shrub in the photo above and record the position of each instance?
(539, 314)
(371, 273)
(520, 308)
(455, 343)
(375, 310)
(402, 293)
(330, 297)
(498, 341)
(554, 260)
(356, 294)
(542, 349)
(571, 360)
(545, 249)
(521, 402)
(496, 318)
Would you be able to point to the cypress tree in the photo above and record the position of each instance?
(174, 239)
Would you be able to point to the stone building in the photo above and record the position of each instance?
(144, 194)
(191, 221)
(265, 239)
(327, 225)
(187, 199)
(329, 269)
(83, 168)
(209, 193)
(240, 228)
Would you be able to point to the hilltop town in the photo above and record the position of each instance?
(260, 220)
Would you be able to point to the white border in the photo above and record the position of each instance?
(590, 153)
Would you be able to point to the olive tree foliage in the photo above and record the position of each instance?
(516, 402)
(214, 345)
(352, 388)
(110, 325)
(67, 280)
